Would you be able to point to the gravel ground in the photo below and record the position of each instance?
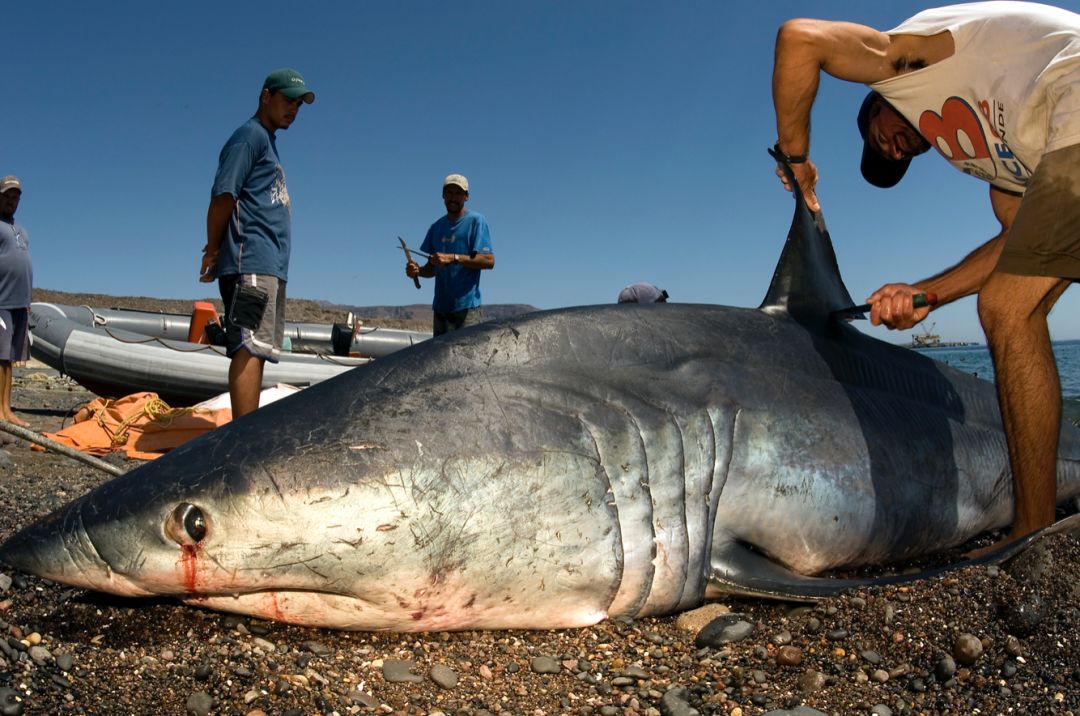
(983, 640)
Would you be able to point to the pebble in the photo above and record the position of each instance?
(396, 671)
(444, 676)
(200, 703)
(723, 630)
(967, 649)
(789, 656)
(10, 703)
(544, 665)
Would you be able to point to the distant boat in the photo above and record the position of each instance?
(115, 352)
(927, 339)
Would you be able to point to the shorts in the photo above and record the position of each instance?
(1044, 239)
(254, 319)
(15, 335)
(444, 322)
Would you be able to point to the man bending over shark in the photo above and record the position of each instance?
(995, 88)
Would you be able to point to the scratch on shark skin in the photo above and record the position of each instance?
(274, 483)
(366, 446)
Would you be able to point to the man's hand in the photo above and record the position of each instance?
(893, 306)
(807, 175)
(209, 260)
(412, 269)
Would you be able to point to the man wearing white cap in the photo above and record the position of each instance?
(16, 282)
(459, 248)
(249, 237)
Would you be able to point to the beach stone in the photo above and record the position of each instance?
(789, 656)
(10, 705)
(967, 649)
(317, 648)
(945, 669)
(811, 681)
(723, 630)
(696, 619)
(200, 703)
(398, 671)
(676, 702)
(545, 665)
(444, 676)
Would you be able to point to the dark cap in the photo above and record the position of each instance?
(288, 82)
(876, 169)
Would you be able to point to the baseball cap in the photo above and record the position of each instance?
(288, 82)
(642, 293)
(456, 180)
(878, 170)
(10, 182)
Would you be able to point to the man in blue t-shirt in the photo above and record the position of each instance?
(248, 237)
(458, 246)
(16, 283)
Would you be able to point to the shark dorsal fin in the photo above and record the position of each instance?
(806, 283)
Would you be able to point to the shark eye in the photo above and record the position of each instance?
(187, 525)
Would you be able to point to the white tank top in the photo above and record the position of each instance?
(1009, 93)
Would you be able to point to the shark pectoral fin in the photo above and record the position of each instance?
(737, 569)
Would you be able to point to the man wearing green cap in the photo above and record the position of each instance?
(248, 237)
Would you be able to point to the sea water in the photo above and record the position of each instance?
(976, 360)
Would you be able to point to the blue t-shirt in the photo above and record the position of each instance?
(16, 271)
(457, 287)
(258, 239)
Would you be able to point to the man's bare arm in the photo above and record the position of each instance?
(805, 48)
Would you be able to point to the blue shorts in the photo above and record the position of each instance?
(14, 335)
(254, 314)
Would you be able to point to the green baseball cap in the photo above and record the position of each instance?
(288, 82)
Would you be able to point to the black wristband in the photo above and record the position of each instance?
(792, 159)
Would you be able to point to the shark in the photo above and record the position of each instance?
(563, 467)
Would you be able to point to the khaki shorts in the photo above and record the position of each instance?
(1045, 236)
(257, 328)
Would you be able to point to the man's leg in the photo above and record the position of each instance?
(1013, 310)
(245, 382)
(6, 412)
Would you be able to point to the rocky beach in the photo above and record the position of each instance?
(999, 639)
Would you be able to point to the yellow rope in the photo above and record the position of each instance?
(154, 409)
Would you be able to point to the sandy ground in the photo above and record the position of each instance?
(981, 640)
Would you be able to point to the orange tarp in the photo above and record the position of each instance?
(141, 424)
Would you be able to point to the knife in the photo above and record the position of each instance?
(919, 300)
(408, 257)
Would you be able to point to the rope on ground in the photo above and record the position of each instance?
(154, 410)
(43, 441)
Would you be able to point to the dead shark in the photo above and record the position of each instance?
(563, 467)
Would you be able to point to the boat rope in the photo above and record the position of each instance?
(155, 339)
(155, 410)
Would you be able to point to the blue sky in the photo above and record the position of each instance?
(606, 142)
